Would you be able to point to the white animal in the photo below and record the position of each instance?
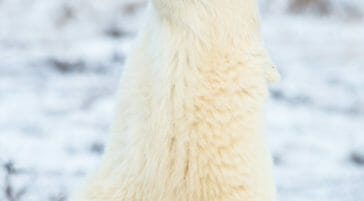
(189, 123)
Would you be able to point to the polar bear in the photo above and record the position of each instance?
(189, 117)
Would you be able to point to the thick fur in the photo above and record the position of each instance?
(189, 123)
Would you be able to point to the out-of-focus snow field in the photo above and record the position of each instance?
(60, 62)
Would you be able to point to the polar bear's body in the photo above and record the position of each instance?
(189, 123)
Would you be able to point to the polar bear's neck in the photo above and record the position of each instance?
(193, 82)
(190, 112)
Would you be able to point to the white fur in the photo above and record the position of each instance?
(189, 123)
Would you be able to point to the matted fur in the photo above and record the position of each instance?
(189, 120)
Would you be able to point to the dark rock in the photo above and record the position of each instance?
(357, 158)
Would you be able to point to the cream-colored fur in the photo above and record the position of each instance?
(189, 123)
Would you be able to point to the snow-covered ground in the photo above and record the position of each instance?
(59, 67)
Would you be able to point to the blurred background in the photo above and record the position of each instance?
(60, 62)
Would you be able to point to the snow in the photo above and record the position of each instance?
(60, 62)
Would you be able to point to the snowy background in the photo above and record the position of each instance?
(60, 62)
